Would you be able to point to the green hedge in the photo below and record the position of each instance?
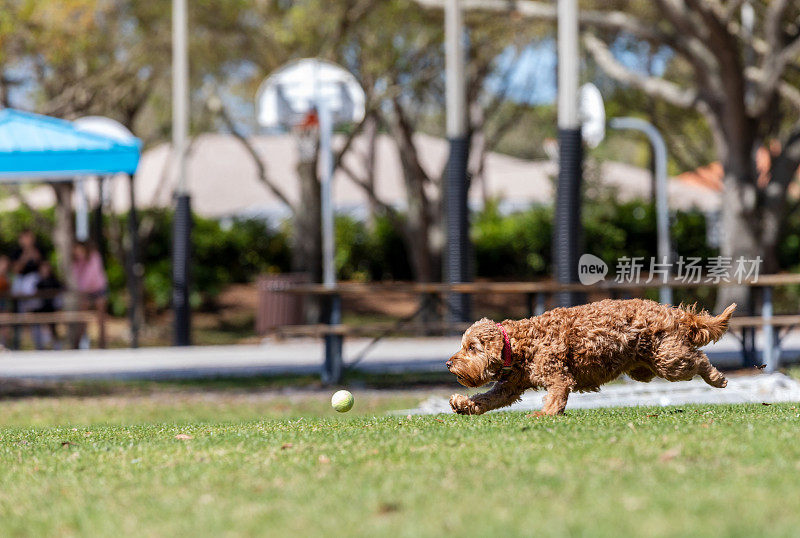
(366, 252)
(519, 245)
(223, 252)
(12, 223)
(507, 246)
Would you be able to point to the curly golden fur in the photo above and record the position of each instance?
(580, 348)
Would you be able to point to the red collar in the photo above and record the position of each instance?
(506, 348)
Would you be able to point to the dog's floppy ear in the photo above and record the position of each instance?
(485, 321)
(479, 327)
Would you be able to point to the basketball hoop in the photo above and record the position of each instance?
(288, 95)
(306, 132)
(309, 97)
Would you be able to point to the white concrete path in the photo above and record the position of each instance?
(271, 357)
(763, 388)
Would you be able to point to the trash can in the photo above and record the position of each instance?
(275, 306)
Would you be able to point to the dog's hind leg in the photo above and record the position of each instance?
(710, 375)
(677, 361)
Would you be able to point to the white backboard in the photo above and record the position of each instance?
(289, 93)
(592, 113)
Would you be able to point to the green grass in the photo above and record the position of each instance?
(354, 379)
(288, 466)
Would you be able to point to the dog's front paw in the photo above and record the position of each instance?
(462, 405)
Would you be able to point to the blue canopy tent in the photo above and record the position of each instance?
(36, 148)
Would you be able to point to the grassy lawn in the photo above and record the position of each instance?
(289, 466)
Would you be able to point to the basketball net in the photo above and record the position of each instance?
(306, 131)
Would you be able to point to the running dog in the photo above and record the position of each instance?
(580, 348)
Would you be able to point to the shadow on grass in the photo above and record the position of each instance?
(16, 388)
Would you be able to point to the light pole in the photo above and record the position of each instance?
(456, 211)
(182, 219)
(662, 203)
(332, 371)
(567, 229)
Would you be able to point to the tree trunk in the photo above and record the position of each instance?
(423, 219)
(307, 233)
(422, 232)
(741, 230)
(423, 223)
(307, 228)
(371, 134)
(479, 148)
(740, 236)
(64, 233)
(418, 241)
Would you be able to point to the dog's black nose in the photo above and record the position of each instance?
(449, 364)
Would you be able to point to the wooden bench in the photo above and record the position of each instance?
(322, 329)
(368, 329)
(758, 321)
(46, 318)
(59, 317)
(537, 293)
(65, 317)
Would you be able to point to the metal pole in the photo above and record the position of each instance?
(81, 211)
(457, 266)
(769, 355)
(182, 218)
(134, 269)
(99, 236)
(567, 230)
(180, 89)
(454, 69)
(662, 195)
(326, 187)
(332, 371)
(334, 364)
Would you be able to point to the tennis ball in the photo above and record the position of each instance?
(342, 401)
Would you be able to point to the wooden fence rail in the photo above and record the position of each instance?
(744, 328)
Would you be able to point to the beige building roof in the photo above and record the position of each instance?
(223, 179)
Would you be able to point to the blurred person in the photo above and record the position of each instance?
(25, 261)
(5, 282)
(91, 282)
(27, 257)
(5, 287)
(48, 286)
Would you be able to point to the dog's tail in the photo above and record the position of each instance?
(704, 328)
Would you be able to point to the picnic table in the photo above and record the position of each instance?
(10, 316)
(774, 327)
